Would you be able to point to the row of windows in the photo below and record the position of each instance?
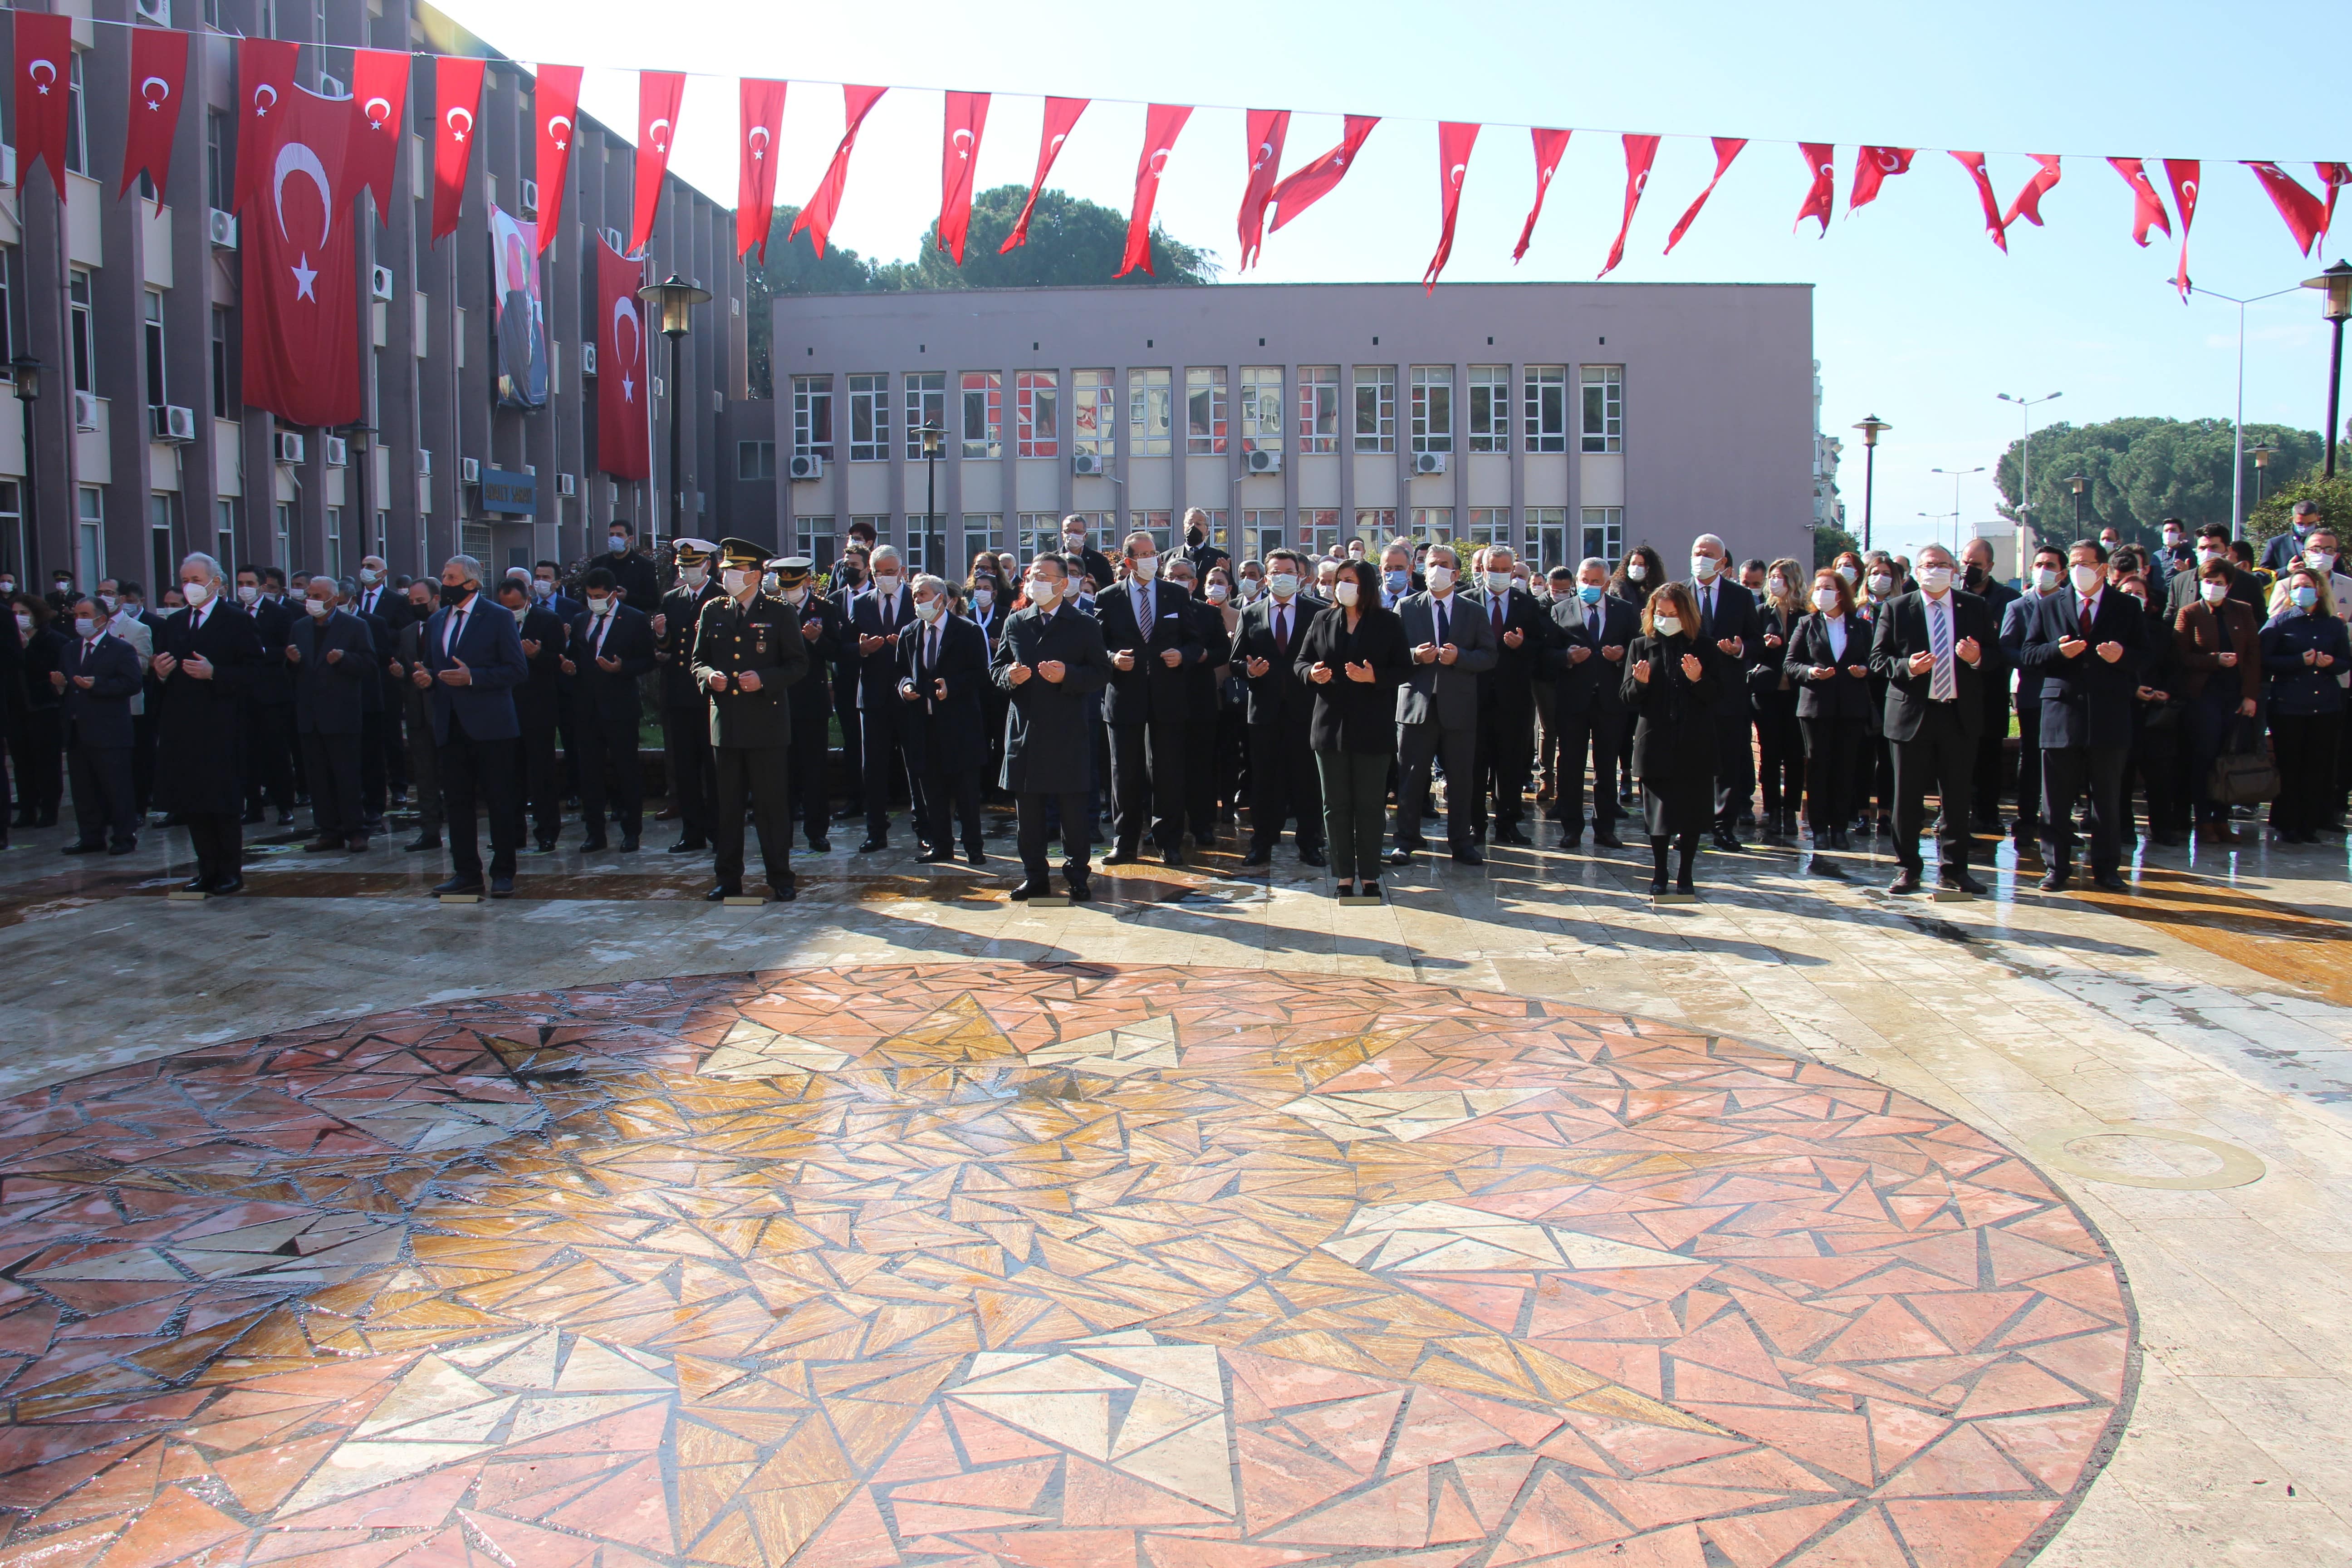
(1211, 417)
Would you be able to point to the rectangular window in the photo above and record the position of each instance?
(983, 414)
(1318, 407)
(1547, 537)
(981, 529)
(810, 536)
(1432, 522)
(926, 404)
(219, 166)
(1094, 413)
(812, 418)
(76, 130)
(1260, 409)
(1038, 408)
(1204, 411)
(78, 329)
(90, 538)
(335, 542)
(1154, 524)
(1376, 525)
(1490, 408)
(1605, 532)
(283, 557)
(1547, 408)
(161, 567)
(12, 528)
(755, 460)
(224, 384)
(1375, 408)
(1262, 533)
(224, 532)
(1219, 526)
(1433, 408)
(382, 531)
(1319, 532)
(1150, 414)
(1604, 407)
(157, 391)
(1492, 525)
(869, 419)
(1038, 530)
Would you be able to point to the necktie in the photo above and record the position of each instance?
(604, 625)
(1592, 625)
(1282, 628)
(1443, 626)
(1148, 623)
(2087, 617)
(931, 649)
(1939, 643)
(457, 630)
(1494, 604)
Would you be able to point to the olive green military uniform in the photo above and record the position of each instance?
(751, 731)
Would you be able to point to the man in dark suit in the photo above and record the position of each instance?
(2087, 644)
(471, 662)
(334, 661)
(632, 573)
(990, 606)
(685, 708)
(270, 704)
(1154, 640)
(610, 649)
(97, 677)
(1588, 662)
(539, 704)
(2281, 551)
(386, 609)
(1283, 780)
(1523, 633)
(1198, 549)
(1437, 707)
(1050, 661)
(1203, 701)
(848, 580)
(1727, 618)
(748, 655)
(1930, 649)
(876, 618)
(204, 659)
(942, 663)
(1091, 562)
(2212, 544)
(423, 757)
(810, 758)
(1992, 683)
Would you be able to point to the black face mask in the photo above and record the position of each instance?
(1974, 577)
(450, 595)
(1194, 536)
(852, 575)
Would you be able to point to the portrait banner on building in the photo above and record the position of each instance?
(522, 312)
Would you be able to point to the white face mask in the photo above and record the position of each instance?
(620, 543)
(1636, 570)
(1252, 587)
(522, 614)
(694, 576)
(84, 626)
(1219, 593)
(797, 595)
(1881, 584)
(767, 581)
(1779, 587)
(2320, 561)
(887, 585)
(198, 594)
(2172, 536)
(1044, 590)
(1345, 593)
(1073, 543)
(602, 607)
(1440, 578)
(1668, 625)
(541, 588)
(982, 598)
(737, 583)
(1499, 582)
(2214, 592)
(1145, 567)
(1935, 579)
(1704, 567)
(319, 609)
(1285, 585)
(1825, 600)
(927, 610)
(2086, 578)
(24, 620)
(2206, 557)
(107, 602)
(2046, 578)
(1849, 574)
(370, 576)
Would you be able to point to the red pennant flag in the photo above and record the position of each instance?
(1454, 139)
(1162, 123)
(1318, 179)
(44, 80)
(1726, 147)
(658, 96)
(1974, 164)
(1551, 146)
(2305, 215)
(2334, 177)
(300, 262)
(1821, 158)
(959, 151)
(760, 122)
(557, 100)
(2183, 175)
(1268, 129)
(1872, 165)
(379, 110)
(265, 79)
(624, 447)
(457, 99)
(1061, 115)
(2028, 204)
(1640, 152)
(2147, 207)
(856, 103)
(159, 68)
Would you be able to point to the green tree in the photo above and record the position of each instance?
(1830, 543)
(793, 266)
(2334, 496)
(2138, 471)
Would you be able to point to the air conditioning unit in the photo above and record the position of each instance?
(1429, 462)
(157, 11)
(289, 447)
(530, 198)
(565, 484)
(380, 284)
(719, 402)
(331, 87)
(1261, 462)
(1087, 463)
(807, 466)
(174, 423)
(339, 452)
(587, 359)
(222, 227)
(84, 411)
(424, 464)
(616, 240)
(469, 470)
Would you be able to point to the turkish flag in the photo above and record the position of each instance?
(556, 101)
(1061, 116)
(2184, 175)
(2147, 207)
(624, 444)
(856, 103)
(1821, 157)
(1726, 147)
(457, 99)
(1995, 230)
(2028, 204)
(2334, 177)
(1641, 152)
(380, 101)
(967, 117)
(158, 69)
(301, 284)
(1872, 165)
(1162, 123)
(2305, 215)
(44, 80)
(1268, 129)
(1454, 139)
(760, 122)
(1318, 179)
(658, 93)
(1551, 146)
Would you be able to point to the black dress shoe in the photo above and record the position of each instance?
(1959, 881)
(1371, 890)
(596, 845)
(1728, 842)
(423, 841)
(720, 893)
(1508, 832)
(2111, 883)
(2056, 880)
(820, 846)
(322, 845)
(1570, 837)
(286, 818)
(1028, 890)
(687, 846)
(1468, 856)
(1173, 854)
(1400, 856)
(1120, 857)
(784, 894)
(1906, 881)
(629, 844)
(122, 846)
(460, 885)
(502, 887)
(1312, 854)
(1082, 891)
(82, 848)
(873, 845)
(1605, 839)
(974, 854)
(223, 886)
(197, 885)
(1257, 856)
(935, 858)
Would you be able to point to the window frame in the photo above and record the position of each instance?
(1601, 420)
(1034, 391)
(1150, 400)
(1318, 408)
(80, 346)
(1431, 408)
(77, 118)
(1093, 406)
(1546, 409)
(1490, 384)
(1257, 413)
(812, 415)
(926, 404)
(1206, 424)
(869, 404)
(980, 392)
(1381, 382)
(754, 460)
(152, 340)
(1611, 522)
(1536, 522)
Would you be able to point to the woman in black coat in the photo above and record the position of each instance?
(36, 740)
(2304, 649)
(2156, 707)
(1638, 575)
(1779, 613)
(1828, 661)
(1353, 658)
(1672, 680)
(2220, 641)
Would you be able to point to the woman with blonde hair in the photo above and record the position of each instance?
(1672, 678)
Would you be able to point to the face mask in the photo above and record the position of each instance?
(1043, 591)
(1779, 587)
(767, 581)
(2305, 597)
(887, 584)
(1219, 593)
(1440, 578)
(1194, 536)
(1499, 582)
(620, 543)
(1355, 552)
(1637, 570)
(1668, 625)
(1881, 584)
(2086, 578)
(319, 609)
(2171, 537)
(694, 576)
(1704, 567)
(522, 612)
(1073, 543)
(602, 607)
(736, 582)
(1285, 585)
(1252, 587)
(370, 576)
(2206, 557)
(457, 595)
(1849, 574)
(24, 621)
(197, 593)
(1935, 579)
(1397, 581)
(2141, 598)
(2321, 560)
(1145, 567)
(246, 592)
(1825, 600)
(108, 602)
(541, 588)
(1589, 593)
(1346, 595)
(2214, 592)
(2046, 578)
(982, 598)
(7, 585)
(927, 610)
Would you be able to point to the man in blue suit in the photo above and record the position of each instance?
(472, 662)
(96, 679)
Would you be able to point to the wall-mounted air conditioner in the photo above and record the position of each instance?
(84, 411)
(424, 464)
(566, 485)
(380, 283)
(289, 447)
(469, 470)
(331, 87)
(1429, 462)
(1261, 462)
(807, 466)
(156, 10)
(616, 240)
(587, 359)
(530, 198)
(1089, 463)
(339, 452)
(222, 227)
(174, 423)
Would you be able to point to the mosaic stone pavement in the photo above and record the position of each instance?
(1059, 1266)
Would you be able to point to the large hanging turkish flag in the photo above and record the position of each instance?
(158, 69)
(1454, 139)
(1641, 152)
(1726, 147)
(456, 99)
(379, 100)
(2305, 215)
(1162, 123)
(1268, 129)
(556, 101)
(1302, 190)
(44, 78)
(624, 445)
(967, 117)
(1061, 118)
(658, 96)
(301, 285)
(760, 122)
(2147, 207)
(856, 103)
(1551, 146)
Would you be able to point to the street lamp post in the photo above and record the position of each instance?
(2335, 287)
(2025, 453)
(2262, 462)
(2238, 425)
(933, 546)
(1957, 476)
(27, 373)
(676, 298)
(2076, 482)
(1870, 427)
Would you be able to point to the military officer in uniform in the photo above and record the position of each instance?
(685, 716)
(824, 629)
(747, 654)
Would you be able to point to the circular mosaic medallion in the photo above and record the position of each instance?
(1065, 1266)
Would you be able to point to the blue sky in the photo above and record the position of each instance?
(1918, 318)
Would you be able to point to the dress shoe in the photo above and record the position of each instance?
(1658, 884)
(629, 844)
(1570, 837)
(122, 846)
(873, 845)
(357, 843)
(2110, 882)
(223, 886)
(1371, 888)
(687, 846)
(974, 854)
(1259, 856)
(544, 846)
(286, 818)
(461, 885)
(251, 817)
(1605, 839)
(502, 887)
(1958, 882)
(666, 813)
(1082, 891)
(1028, 890)
(1343, 889)
(1728, 842)
(2056, 880)
(596, 845)
(1120, 857)
(721, 893)
(820, 846)
(82, 848)
(1400, 856)
(1468, 856)
(1173, 854)
(322, 845)
(1685, 885)
(199, 884)
(936, 857)
(1508, 832)
(1312, 854)
(426, 840)
(1906, 881)
(783, 894)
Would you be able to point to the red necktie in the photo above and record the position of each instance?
(2086, 619)
(1281, 629)
(1498, 603)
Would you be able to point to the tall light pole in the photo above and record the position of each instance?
(932, 548)
(2076, 482)
(2262, 451)
(1957, 476)
(1870, 427)
(2335, 287)
(2025, 451)
(2238, 425)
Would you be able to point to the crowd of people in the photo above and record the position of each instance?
(1161, 695)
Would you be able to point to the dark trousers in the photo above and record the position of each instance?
(1546, 764)
(331, 763)
(1942, 757)
(488, 774)
(395, 740)
(1783, 748)
(2029, 772)
(1458, 748)
(1284, 783)
(2304, 746)
(269, 757)
(424, 764)
(2214, 727)
(2156, 764)
(810, 759)
(760, 776)
(1355, 789)
(1506, 744)
(218, 839)
(947, 790)
(1832, 764)
(142, 756)
(686, 748)
(2068, 772)
(1735, 766)
(372, 785)
(1992, 747)
(1231, 783)
(103, 808)
(1599, 734)
(542, 783)
(36, 746)
(610, 779)
(1146, 783)
(882, 763)
(853, 739)
(1201, 772)
(1034, 808)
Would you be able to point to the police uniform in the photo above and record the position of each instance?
(824, 630)
(751, 731)
(685, 716)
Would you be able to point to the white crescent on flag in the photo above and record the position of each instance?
(153, 102)
(1056, 146)
(1265, 151)
(450, 119)
(377, 115)
(562, 140)
(298, 158)
(1640, 183)
(1890, 163)
(260, 107)
(958, 139)
(756, 138)
(34, 70)
(1454, 175)
(654, 134)
(624, 310)
(1158, 153)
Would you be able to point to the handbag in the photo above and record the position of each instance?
(2243, 777)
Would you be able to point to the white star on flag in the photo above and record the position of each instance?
(304, 274)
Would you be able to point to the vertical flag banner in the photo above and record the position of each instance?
(1872, 165)
(856, 103)
(2305, 215)
(1641, 152)
(379, 105)
(1821, 157)
(44, 80)
(1726, 147)
(761, 123)
(1995, 230)
(967, 119)
(521, 313)
(2184, 175)
(1454, 139)
(297, 245)
(265, 83)
(158, 69)
(555, 97)
(1550, 146)
(2147, 207)
(1268, 129)
(456, 99)
(623, 439)
(1297, 192)
(658, 96)
(2028, 204)
(1061, 116)
(1162, 123)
